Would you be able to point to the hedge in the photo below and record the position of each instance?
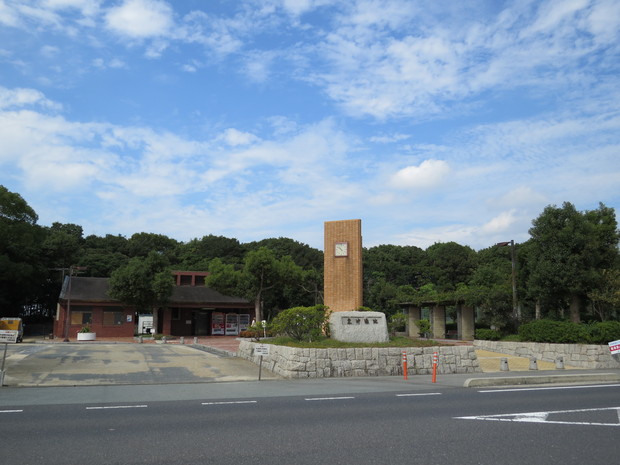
(484, 334)
(568, 332)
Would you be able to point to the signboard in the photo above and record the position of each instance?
(261, 349)
(614, 347)
(7, 335)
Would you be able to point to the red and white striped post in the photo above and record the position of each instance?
(405, 365)
(434, 367)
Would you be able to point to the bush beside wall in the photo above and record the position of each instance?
(568, 332)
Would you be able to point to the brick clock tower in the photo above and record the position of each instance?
(343, 265)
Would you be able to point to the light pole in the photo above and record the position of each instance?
(516, 311)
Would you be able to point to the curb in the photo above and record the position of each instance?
(212, 350)
(547, 379)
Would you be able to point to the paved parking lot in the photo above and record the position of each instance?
(68, 364)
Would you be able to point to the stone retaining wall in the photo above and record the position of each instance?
(578, 355)
(292, 362)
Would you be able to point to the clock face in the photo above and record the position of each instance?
(341, 249)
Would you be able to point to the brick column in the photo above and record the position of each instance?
(343, 286)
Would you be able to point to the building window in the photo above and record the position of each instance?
(81, 317)
(111, 318)
(185, 280)
(176, 314)
(200, 281)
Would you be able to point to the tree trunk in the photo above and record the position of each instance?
(258, 309)
(538, 309)
(575, 307)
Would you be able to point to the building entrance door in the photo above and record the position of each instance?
(200, 323)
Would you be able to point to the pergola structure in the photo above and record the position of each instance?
(465, 317)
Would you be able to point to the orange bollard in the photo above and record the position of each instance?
(405, 365)
(434, 367)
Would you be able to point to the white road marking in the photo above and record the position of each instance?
(329, 398)
(551, 388)
(422, 394)
(11, 411)
(542, 417)
(232, 402)
(111, 407)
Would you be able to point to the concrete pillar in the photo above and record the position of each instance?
(466, 323)
(415, 314)
(438, 321)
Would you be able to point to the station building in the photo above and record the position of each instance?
(192, 310)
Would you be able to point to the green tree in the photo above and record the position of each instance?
(312, 285)
(302, 254)
(198, 253)
(103, 255)
(268, 282)
(606, 296)
(448, 264)
(568, 251)
(399, 265)
(382, 296)
(143, 283)
(141, 244)
(63, 245)
(225, 278)
(264, 275)
(22, 272)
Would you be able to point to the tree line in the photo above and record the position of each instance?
(568, 269)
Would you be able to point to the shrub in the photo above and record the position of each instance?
(398, 322)
(424, 327)
(255, 333)
(553, 331)
(487, 334)
(604, 332)
(301, 323)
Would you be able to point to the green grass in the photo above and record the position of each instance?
(326, 343)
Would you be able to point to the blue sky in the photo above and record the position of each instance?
(431, 121)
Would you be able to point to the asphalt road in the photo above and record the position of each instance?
(345, 422)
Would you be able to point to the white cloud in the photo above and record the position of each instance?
(428, 175)
(520, 196)
(384, 68)
(140, 19)
(500, 223)
(8, 15)
(389, 138)
(234, 137)
(257, 66)
(299, 7)
(19, 97)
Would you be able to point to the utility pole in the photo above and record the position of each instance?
(71, 270)
(516, 310)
